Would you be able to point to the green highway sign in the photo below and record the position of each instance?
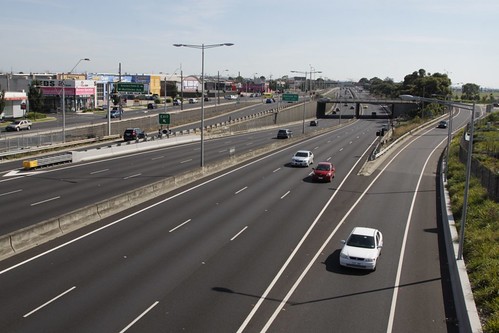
(164, 119)
(290, 97)
(129, 87)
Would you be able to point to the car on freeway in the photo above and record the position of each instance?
(19, 125)
(442, 124)
(134, 134)
(314, 123)
(302, 158)
(114, 113)
(323, 172)
(284, 133)
(152, 106)
(352, 107)
(193, 100)
(176, 102)
(362, 248)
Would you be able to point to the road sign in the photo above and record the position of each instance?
(290, 97)
(164, 119)
(129, 87)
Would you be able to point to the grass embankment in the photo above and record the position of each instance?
(481, 245)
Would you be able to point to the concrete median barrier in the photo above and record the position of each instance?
(6, 249)
(79, 218)
(29, 237)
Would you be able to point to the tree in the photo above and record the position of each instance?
(35, 97)
(471, 92)
(426, 85)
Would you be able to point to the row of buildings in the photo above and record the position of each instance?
(91, 90)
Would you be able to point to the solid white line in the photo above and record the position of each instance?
(295, 250)
(240, 232)
(391, 318)
(305, 271)
(98, 171)
(44, 201)
(132, 176)
(11, 192)
(138, 318)
(47, 303)
(181, 224)
(285, 194)
(237, 192)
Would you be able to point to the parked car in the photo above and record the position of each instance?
(19, 125)
(324, 172)
(442, 124)
(284, 134)
(134, 134)
(193, 100)
(362, 248)
(302, 158)
(314, 123)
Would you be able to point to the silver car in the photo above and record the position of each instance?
(19, 125)
(302, 158)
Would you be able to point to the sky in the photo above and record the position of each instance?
(336, 40)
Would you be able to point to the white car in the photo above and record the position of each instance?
(18, 125)
(302, 158)
(362, 248)
(193, 100)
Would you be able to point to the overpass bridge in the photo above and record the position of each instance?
(389, 111)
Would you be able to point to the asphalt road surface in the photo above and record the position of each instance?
(252, 249)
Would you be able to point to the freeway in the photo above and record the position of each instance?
(252, 249)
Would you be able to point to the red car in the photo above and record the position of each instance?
(324, 172)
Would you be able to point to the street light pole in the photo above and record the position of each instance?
(202, 47)
(304, 98)
(64, 99)
(468, 162)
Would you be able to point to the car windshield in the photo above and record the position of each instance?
(361, 241)
(301, 154)
(323, 167)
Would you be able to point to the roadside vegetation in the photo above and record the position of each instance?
(481, 245)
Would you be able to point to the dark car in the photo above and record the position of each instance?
(442, 124)
(314, 123)
(284, 134)
(176, 102)
(114, 113)
(134, 134)
(152, 106)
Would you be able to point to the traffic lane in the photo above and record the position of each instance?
(102, 255)
(245, 265)
(83, 184)
(425, 271)
(75, 186)
(326, 294)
